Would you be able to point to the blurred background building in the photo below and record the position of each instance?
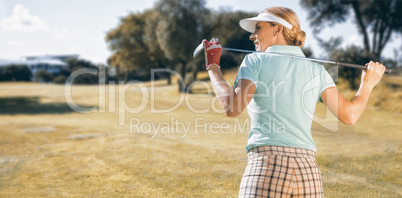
(53, 64)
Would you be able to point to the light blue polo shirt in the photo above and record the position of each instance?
(287, 91)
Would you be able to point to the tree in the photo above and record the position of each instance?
(75, 64)
(308, 52)
(165, 37)
(134, 45)
(86, 78)
(382, 17)
(127, 42)
(43, 76)
(60, 79)
(15, 73)
(225, 26)
(180, 30)
(155, 53)
(352, 54)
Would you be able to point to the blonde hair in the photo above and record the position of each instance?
(295, 36)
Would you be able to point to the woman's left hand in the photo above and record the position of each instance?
(373, 74)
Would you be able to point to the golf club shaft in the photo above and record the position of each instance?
(362, 67)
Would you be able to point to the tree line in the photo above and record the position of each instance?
(166, 35)
(23, 73)
(376, 21)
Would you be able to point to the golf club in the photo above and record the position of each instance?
(201, 47)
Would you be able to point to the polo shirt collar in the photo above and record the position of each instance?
(286, 49)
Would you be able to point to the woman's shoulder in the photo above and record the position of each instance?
(316, 66)
(252, 58)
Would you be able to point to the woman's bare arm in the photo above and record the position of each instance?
(347, 111)
(232, 100)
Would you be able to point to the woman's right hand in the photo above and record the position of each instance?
(373, 74)
(213, 51)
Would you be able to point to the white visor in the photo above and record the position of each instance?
(249, 23)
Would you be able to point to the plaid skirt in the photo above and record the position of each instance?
(275, 171)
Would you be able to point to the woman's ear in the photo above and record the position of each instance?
(278, 28)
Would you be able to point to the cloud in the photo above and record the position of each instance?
(3, 9)
(22, 21)
(62, 34)
(15, 42)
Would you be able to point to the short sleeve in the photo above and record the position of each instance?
(326, 82)
(249, 69)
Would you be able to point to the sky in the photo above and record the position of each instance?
(49, 27)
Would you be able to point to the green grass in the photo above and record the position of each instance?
(48, 150)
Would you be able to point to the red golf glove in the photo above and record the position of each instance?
(213, 50)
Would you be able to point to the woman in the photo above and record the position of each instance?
(279, 93)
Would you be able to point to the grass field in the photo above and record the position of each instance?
(49, 150)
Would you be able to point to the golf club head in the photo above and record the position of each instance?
(198, 50)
